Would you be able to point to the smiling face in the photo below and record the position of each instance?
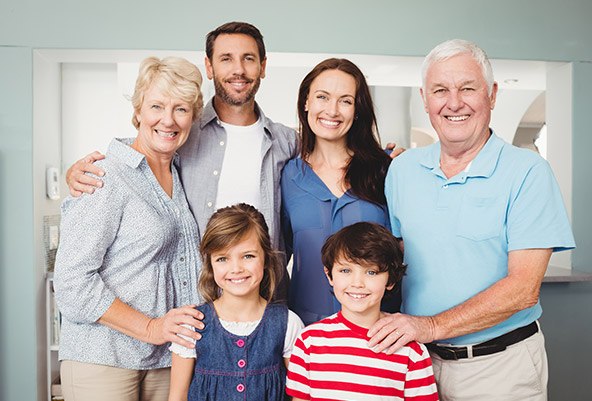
(457, 101)
(164, 123)
(236, 68)
(331, 105)
(359, 289)
(238, 270)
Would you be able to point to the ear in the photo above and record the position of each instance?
(209, 69)
(390, 286)
(425, 104)
(263, 65)
(306, 105)
(493, 95)
(328, 277)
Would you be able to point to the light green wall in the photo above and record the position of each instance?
(525, 29)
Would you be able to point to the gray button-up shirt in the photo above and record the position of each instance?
(131, 241)
(202, 156)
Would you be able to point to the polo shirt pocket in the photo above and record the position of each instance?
(480, 218)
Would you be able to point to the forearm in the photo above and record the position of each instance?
(129, 321)
(517, 291)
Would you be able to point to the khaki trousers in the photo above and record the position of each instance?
(517, 374)
(91, 382)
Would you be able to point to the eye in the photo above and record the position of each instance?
(220, 259)
(249, 256)
(182, 110)
(347, 101)
(467, 89)
(225, 58)
(321, 96)
(344, 270)
(372, 272)
(440, 91)
(250, 58)
(156, 107)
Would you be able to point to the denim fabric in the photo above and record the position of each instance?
(231, 367)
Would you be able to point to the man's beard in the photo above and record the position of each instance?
(243, 98)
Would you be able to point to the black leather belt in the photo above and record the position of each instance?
(492, 346)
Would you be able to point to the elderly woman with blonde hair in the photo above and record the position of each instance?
(127, 265)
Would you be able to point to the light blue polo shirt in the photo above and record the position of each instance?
(458, 231)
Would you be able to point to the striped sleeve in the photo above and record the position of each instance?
(420, 384)
(298, 381)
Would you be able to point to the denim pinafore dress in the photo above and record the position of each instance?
(245, 368)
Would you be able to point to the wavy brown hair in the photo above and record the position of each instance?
(227, 227)
(366, 170)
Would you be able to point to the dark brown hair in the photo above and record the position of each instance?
(235, 28)
(227, 227)
(367, 168)
(366, 244)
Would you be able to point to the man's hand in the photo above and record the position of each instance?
(394, 331)
(79, 182)
(394, 150)
(165, 328)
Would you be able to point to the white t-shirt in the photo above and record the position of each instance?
(244, 329)
(240, 177)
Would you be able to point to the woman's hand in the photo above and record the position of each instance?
(166, 328)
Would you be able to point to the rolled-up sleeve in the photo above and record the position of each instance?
(89, 226)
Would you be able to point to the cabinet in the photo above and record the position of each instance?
(53, 323)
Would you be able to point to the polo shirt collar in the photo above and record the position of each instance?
(483, 165)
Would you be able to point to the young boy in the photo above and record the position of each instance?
(331, 359)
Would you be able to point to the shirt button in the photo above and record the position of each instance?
(182, 259)
(184, 282)
(209, 204)
(240, 343)
(240, 388)
(215, 172)
(241, 363)
(221, 143)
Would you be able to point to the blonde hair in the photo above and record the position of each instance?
(175, 76)
(227, 227)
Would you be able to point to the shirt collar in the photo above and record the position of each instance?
(483, 165)
(209, 116)
(122, 150)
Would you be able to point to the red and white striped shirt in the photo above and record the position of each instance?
(331, 361)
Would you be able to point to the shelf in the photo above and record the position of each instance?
(556, 274)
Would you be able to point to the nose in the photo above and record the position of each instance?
(167, 117)
(357, 279)
(238, 67)
(237, 266)
(454, 101)
(332, 108)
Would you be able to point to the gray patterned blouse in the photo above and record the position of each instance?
(131, 241)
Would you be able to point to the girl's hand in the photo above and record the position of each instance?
(166, 328)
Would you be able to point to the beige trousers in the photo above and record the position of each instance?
(517, 374)
(91, 382)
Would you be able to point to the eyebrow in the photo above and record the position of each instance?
(324, 91)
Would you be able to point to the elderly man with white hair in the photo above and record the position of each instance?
(479, 219)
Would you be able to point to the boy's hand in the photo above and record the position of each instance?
(77, 179)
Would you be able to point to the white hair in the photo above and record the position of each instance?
(454, 47)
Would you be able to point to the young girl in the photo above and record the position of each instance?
(247, 340)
